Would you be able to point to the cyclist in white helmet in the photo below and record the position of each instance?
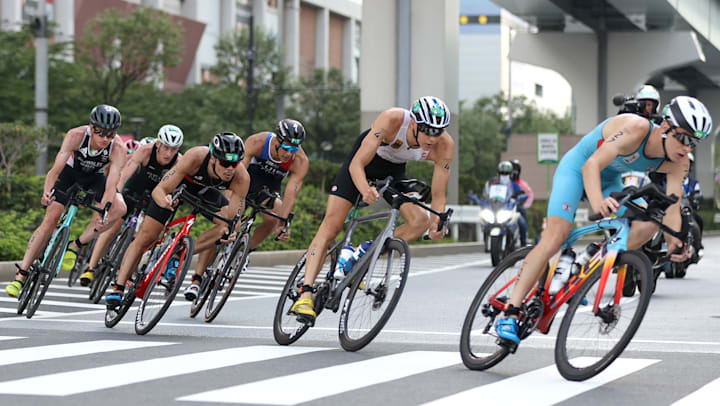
(397, 136)
(141, 174)
(594, 166)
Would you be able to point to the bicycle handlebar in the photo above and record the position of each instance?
(195, 201)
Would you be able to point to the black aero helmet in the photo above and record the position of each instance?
(517, 168)
(505, 168)
(290, 132)
(227, 146)
(106, 117)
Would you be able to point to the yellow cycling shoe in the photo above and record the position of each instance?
(86, 278)
(14, 288)
(304, 309)
(69, 260)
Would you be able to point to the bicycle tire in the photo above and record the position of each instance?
(113, 316)
(184, 248)
(112, 265)
(204, 290)
(234, 266)
(469, 350)
(286, 328)
(108, 276)
(42, 283)
(374, 296)
(30, 280)
(574, 367)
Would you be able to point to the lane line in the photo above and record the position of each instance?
(57, 303)
(541, 387)
(5, 338)
(67, 383)
(293, 389)
(46, 352)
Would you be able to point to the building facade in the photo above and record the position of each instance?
(310, 33)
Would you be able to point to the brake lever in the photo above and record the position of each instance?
(106, 209)
(287, 226)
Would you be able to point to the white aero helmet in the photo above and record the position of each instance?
(432, 114)
(648, 92)
(690, 114)
(170, 135)
(147, 140)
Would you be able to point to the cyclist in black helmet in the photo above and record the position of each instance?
(215, 167)
(91, 156)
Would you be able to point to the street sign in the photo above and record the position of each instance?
(548, 148)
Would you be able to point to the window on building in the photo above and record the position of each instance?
(538, 90)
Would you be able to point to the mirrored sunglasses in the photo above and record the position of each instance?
(290, 148)
(228, 164)
(431, 131)
(685, 139)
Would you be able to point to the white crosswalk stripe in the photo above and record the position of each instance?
(256, 281)
(352, 376)
(30, 354)
(541, 387)
(65, 383)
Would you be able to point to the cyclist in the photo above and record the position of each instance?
(141, 174)
(517, 169)
(396, 137)
(90, 156)
(594, 166)
(131, 146)
(147, 140)
(213, 169)
(269, 158)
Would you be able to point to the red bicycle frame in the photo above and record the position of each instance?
(551, 304)
(186, 222)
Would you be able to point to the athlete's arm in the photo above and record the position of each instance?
(239, 188)
(442, 156)
(383, 129)
(188, 164)
(298, 169)
(117, 161)
(623, 134)
(253, 147)
(141, 157)
(70, 143)
(676, 172)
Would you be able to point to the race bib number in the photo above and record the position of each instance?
(498, 192)
(632, 180)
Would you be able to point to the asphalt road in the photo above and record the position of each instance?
(66, 356)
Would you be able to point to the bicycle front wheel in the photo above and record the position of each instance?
(225, 280)
(47, 273)
(28, 287)
(368, 308)
(589, 341)
(478, 340)
(286, 328)
(155, 303)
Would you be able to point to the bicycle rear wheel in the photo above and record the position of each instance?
(80, 265)
(105, 278)
(286, 328)
(478, 341)
(205, 285)
(226, 279)
(587, 342)
(368, 308)
(46, 274)
(153, 307)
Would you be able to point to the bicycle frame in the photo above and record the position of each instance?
(604, 259)
(67, 220)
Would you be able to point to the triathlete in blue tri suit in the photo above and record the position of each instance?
(622, 143)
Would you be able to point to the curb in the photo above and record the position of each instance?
(290, 257)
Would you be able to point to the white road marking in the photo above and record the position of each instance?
(707, 395)
(45, 352)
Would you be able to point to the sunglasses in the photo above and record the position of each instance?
(106, 134)
(290, 148)
(228, 164)
(685, 139)
(431, 131)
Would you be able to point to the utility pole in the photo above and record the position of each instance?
(39, 26)
(251, 71)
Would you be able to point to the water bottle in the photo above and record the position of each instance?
(345, 261)
(361, 250)
(580, 261)
(563, 270)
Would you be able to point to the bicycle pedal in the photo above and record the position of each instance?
(507, 344)
(306, 320)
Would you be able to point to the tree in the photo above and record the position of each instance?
(119, 51)
(269, 77)
(18, 148)
(329, 108)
